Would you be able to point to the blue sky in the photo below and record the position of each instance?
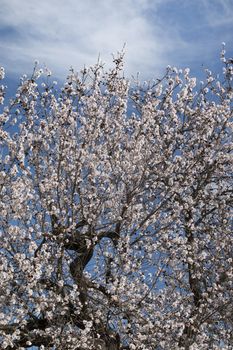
(64, 33)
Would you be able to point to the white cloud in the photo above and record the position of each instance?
(64, 33)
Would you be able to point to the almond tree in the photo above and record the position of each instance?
(115, 200)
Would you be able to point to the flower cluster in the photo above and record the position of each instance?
(116, 212)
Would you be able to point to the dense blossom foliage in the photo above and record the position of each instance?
(115, 201)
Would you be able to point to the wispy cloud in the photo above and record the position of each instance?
(74, 32)
(218, 13)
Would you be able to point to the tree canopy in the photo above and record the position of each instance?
(116, 202)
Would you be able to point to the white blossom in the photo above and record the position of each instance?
(116, 221)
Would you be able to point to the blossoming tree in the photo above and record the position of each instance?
(115, 204)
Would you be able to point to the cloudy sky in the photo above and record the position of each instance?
(64, 33)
